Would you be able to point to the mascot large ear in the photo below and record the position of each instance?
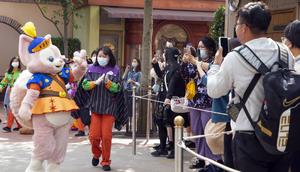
(24, 42)
(48, 36)
(83, 54)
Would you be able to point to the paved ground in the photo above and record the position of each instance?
(15, 152)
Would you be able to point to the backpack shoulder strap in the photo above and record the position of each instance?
(283, 56)
(252, 59)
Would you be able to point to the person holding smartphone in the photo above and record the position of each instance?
(252, 22)
(132, 77)
(206, 50)
(218, 104)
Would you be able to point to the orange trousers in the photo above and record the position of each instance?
(101, 133)
(10, 120)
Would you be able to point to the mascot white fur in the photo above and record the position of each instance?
(39, 99)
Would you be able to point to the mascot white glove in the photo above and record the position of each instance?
(80, 61)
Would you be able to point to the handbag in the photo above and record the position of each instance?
(190, 90)
(177, 103)
(215, 142)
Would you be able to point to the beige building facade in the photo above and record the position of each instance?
(14, 14)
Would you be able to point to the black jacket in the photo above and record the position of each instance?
(172, 74)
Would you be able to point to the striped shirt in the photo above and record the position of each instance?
(102, 100)
(106, 98)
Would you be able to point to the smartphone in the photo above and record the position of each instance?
(223, 42)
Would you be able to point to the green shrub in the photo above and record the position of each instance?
(73, 45)
(216, 28)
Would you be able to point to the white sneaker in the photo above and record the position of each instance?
(52, 167)
(35, 166)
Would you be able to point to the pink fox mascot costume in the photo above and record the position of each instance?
(44, 105)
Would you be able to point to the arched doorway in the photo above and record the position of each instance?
(9, 34)
(172, 33)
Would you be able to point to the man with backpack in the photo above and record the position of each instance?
(243, 70)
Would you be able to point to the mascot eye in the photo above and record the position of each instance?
(51, 59)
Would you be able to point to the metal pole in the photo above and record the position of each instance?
(178, 121)
(133, 124)
(148, 114)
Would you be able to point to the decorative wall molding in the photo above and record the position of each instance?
(12, 23)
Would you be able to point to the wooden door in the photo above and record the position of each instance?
(280, 19)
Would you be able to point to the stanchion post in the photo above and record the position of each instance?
(178, 121)
(133, 122)
(148, 114)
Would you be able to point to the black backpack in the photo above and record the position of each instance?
(278, 125)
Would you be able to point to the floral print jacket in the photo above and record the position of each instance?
(201, 99)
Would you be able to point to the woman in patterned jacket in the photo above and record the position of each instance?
(7, 82)
(106, 104)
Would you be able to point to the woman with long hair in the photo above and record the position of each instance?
(7, 82)
(205, 51)
(132, 77)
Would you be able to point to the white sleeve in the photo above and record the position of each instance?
(220, 78)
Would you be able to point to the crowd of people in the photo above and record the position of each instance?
(218, 81)
(202, 76)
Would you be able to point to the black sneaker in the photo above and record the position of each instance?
(156, 147)
(95, 161)
(80, 134)
(16, 129)
(210, 168)
(74, 129)
(106, 168)
(159, 152)
(190, 144)
(6, 129)
(170, 146)
(197, 163)
(171, 155)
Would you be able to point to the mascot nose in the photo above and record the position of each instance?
(61, 61)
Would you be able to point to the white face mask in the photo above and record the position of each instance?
(134, 64)
(15, 64)
(155, 88)
(102, 61)
(94, 58)
(203, 54)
